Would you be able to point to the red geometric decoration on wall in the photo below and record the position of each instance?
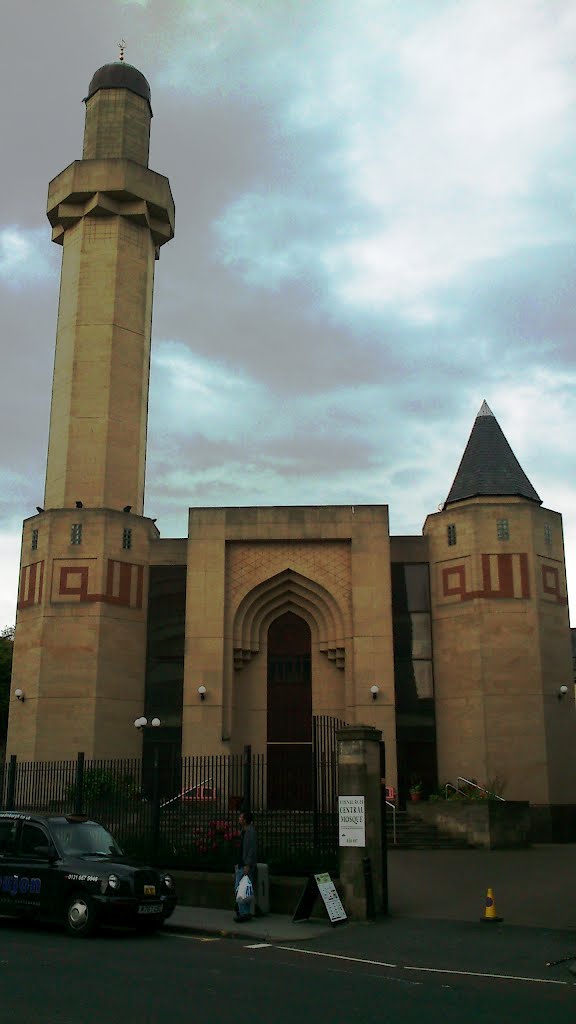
(503, 576)
(454, 581)
(551, 583)
(31, 585)
(124, 584)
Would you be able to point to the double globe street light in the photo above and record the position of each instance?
(142, 723)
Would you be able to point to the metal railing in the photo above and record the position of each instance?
(393, 806)
(482, 789)
(202, 791)
(188, 817)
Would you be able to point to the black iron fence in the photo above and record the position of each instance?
(189, 819)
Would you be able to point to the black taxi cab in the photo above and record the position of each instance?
(71, 869)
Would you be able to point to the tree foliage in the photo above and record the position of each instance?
(6, 649)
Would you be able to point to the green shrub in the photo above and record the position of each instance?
(101, 785)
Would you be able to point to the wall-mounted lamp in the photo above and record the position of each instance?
(374, 690)
(19, 695)
(127, 508)
(202, 692)
(39, 510)
(79, 504)
(562, 691)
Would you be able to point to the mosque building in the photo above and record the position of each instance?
(455, 643)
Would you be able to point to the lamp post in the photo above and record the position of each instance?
(142, 723)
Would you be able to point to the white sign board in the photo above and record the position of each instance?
(351, 821)
(330, 896)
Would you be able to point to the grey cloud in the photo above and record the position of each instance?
(334, 401)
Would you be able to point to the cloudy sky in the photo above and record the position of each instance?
(375, 230)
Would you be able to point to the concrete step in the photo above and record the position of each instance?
(414, 834)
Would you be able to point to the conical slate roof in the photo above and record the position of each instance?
(489, 467)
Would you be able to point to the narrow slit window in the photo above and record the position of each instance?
(34, 540)
(76, 533)
(451, 534)
(502, 529)
(547, 533)
(127, 538)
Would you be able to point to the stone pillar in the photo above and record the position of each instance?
(359, 775)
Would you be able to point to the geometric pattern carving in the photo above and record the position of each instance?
(31, 585)
(124, 583)
(503, 576)
(103, 204)
(551, 585)
(250, 563)
(288, 591)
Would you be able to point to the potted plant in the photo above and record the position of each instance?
(415, 790)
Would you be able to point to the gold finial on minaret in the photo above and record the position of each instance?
(122, 45)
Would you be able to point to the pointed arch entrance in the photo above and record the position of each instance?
(289, 714)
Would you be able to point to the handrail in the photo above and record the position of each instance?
(447, 787)
(481, 788)
(192, 789)
(393, 806)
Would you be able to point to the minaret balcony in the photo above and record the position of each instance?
(107, 188)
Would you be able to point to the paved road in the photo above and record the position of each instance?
(119, 978)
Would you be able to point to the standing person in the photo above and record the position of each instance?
(247, 861)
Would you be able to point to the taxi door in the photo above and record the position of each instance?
(8, 833)
(34, 870)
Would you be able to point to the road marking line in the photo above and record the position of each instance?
(192, 938)
(337, 956)
(479, 974)
(258, 945)
(432, 970)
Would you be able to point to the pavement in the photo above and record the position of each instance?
(269, 928)
(535, 888)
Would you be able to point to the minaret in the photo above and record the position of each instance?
(500, 628)
(81, 626)
(111, 214)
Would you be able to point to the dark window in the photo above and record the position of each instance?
(127, 538)
(451, 534)
(77, 838)
(417, 588)
(76, 533)
(34, 539)
(412, 637)
(7, 835)
(32, 836)
(165, 670)
(414, 676)
(502, 529)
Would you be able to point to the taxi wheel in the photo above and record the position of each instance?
(81, 917)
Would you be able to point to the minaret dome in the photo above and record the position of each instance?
(119, 75)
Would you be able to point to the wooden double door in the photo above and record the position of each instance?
(290, 756)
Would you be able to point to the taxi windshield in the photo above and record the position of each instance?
(85, 839)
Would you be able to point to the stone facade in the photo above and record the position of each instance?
(246, 567)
